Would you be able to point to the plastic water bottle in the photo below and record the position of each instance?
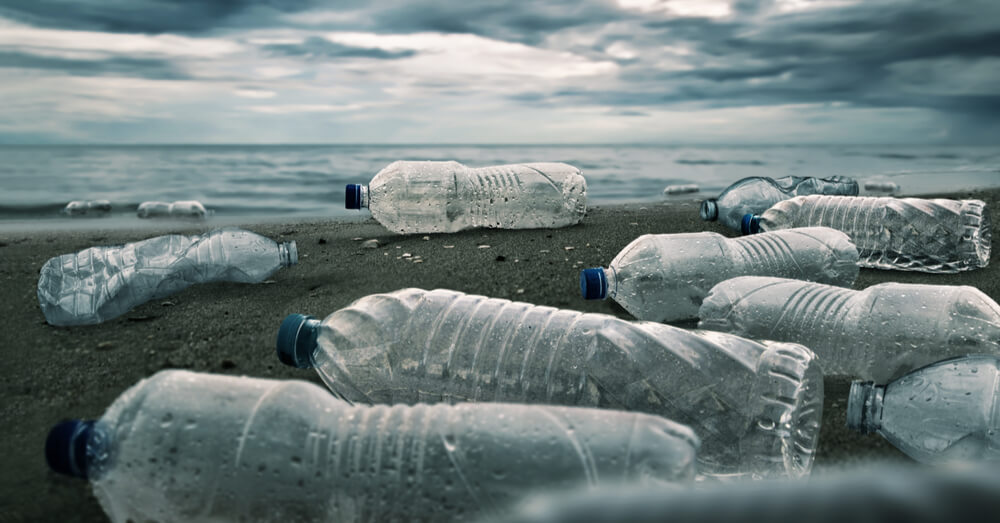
(871, 494)
(664, 277)
(87, 208)
(680, 189)
(755, 406)
(877, 186)
(182, 209)
(100, 283)
(183, 446)
(908, 234)
(756, 194)
(877, 333)
(423, 197)
(943, 413)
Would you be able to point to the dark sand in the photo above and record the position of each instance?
(52, 373)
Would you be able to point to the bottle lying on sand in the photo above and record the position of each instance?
(943, 413)
(878, 333)
(756, 194)
(424, 197)
(909, 234)
(680, 189)
(87, 208)
(664, 277)
(182, 209)
(183, 446)
(755, 406)
(872, 493)
(100, 283)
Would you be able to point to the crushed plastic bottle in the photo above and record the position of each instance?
(870, 494)
(664, 277)
(87, 208)
(100, 283)
(948, 412)
(680, 189)
(876, 186)
(909, 234)
(755, 406)
(182, 209)
(756, 194)
(878, 333)
(424, 197)
(183, 446)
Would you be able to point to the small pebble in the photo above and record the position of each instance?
(520, 291)
(267, 282)
(484, 247)
(418, 261)
(634, 223)
(406, 255)
(569, 248)
(449, 246)
(104, 345)
(501, 258)
(544, 250)
(167, 303)
(322, 241)
(370, 244)
(228, 364)
(357, 239)
(425, 238)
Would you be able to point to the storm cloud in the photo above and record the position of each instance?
(578, 70)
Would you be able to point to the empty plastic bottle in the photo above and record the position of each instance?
(101, 283)
(909, 234)
(422, 197)
(756, 194)
(947, 412)
(680, 189)
(870, 494)
(87, 208)
(755, 406)
(889, 187)
(877, 333)
(183, 446)
(664, 277)
(181, 209)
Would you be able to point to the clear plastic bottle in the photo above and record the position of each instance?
(100, 283)
(877, 333)
(680, 189)
(909, 234)
(864, 494)
(756, 194)
(948, 412)
(182, 209)
(87, 208)
(183, 446)
(755, 406)
(664, 277)
(424, 197)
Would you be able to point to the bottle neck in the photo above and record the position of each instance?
(363, 197)
(288, 254)
(864, 406)
(612, 278)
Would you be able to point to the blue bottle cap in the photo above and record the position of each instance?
(66, 447)
(353, 198)
(297, 340)
(750, 224)
(593, 284)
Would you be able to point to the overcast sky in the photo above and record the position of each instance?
(483, 71)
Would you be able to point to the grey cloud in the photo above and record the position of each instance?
(318, 48)
(113, 66)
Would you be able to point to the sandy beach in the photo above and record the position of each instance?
(51, 373)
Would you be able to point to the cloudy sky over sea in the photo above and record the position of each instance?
(426, 71)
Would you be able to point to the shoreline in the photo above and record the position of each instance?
(53, 373)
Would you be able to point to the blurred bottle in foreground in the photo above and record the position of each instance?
(87, 208)
(877, 333)
(191, 209)
(947, 412)
(423, 197)
(909, 234)
(871, 494)
(665, 277)
(756, 194)
(756, 406)
(100, 283)
(183, 446)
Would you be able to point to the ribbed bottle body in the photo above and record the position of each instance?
(941, 236)
(878, 333)
(421, 197)
(428, 346)
(195, 447)
(665, 277)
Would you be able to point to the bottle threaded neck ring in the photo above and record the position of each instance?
(864, 407)
(288, 254)
(709, 210)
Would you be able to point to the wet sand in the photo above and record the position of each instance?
(52, 373)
